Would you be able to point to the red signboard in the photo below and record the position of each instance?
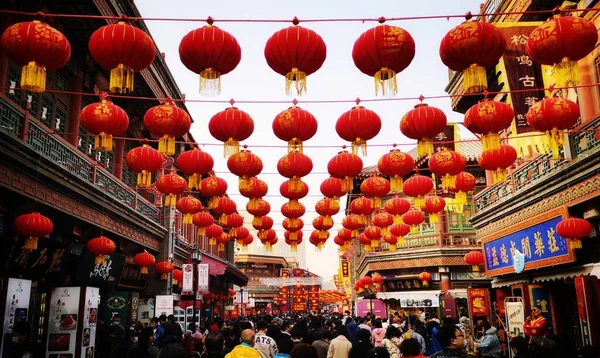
(478, 301)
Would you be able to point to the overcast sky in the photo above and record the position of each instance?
(337, 79)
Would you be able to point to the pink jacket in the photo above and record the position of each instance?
(377, 336)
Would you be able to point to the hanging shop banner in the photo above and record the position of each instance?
(188, 278)
(403, 285)
(284, 273)
(501, 294)
(522, 73)
(539, 295)
(478, 302)
(62, 321)
(203, 277)
(132, 277)
(106, 273)
(449, 307)
(164, 305)
(535, 238)
(345, 268)
(583, 299)
(90, 318)
(366, 306)
(17, 304)
(117, 303)
(515, 318)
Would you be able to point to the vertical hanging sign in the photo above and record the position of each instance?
(203, 278)
(188, 278)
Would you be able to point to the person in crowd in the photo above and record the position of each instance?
(246, 348)
(284, 341)
(362, 324)
(230, 342)
(102, 338)
(188, 342)
(453, 340)
(214, 343)
(543, 347)
(118, 338)
(321, 343)
(340, 346)
(363, 345)
(172, 350)
(297, 334)
(144, 348)
(378, 333)
(391, 342)
(265, 345)
(411, 333)
(536, 325)
(274, 330)
(379, 352)
(489, 344)
(520, 347)
(159, 331)
(352, 330)
(432, 328)
(411, 348)
(304, 350)
(176, 327)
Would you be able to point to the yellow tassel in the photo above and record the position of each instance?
(201, 231)
(367, 248)
(144, 270)
(164, 276)
(374, 243)
(460, 197)
(419, 202)
(327, 220)
(384, 231)
(237, 242)
(475, 268)
(294, 246)
(170, 145)
(257, 221)
(33, 77)
(322, 234)
(268, 246)
(213, 202)
(174, 281)
(231, 147)
(170, 200)
(347, 184)
(336, 200)
(144, 179)
(193, 181)
(392, 247)
(475, 79)
(385, 80)
(299, 79)
(448, 182)
(212, 241)
(293, 236)
(166, 145)
(397, 219)
(210, 82)
(556, 140)
(223, 219)
(396, 183)
(414, 229)
(425, 147)
(575, 244)
(121, 79)
(499, 175)
(566, 73)
(221, 247)
(490, 141)
(187, 219)
(103, 141)
(377, 203)
(354, 233)
(359, 146)
(401, 240)
(294, 204)
(433, 218)
(99, 259)
(243, 183)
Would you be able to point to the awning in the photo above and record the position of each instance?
(458, 293)
(217, 267)
(413, 298)
(592, 269)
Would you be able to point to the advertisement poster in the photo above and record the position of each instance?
(62, 321)
(145, 310)
(188, 278)
(164, 305)
(582, 293)
(478, 301)
(203, 278)
(117, 303)
(17, 304)
(106, 273)
(515, 317)
(90, 319)
(377, 307)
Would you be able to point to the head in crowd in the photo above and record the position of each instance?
(214, 343)
(451, 336)
(304, 350)
(248, 337)
(410, 347)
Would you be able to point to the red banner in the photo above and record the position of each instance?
(500, 296)
(478, 301)
(345, 268)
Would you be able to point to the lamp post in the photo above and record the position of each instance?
(196, 259)
(242, 301)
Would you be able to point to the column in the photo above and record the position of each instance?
(74, 109)
(445, 282)
(587, 101)
(118, 159)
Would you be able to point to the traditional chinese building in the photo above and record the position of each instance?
(515, 221)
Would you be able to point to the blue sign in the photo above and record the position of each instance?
(538, 246)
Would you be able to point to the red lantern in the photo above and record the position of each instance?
(294, 166)
(195, 163)
(399, 230)
(382, 52)
(104, 120)
(377, 278)
(239, 233)
(231, 126)
(31, 227)
(188, 206)
(213, 187)
(353, 223)
(144, 160)
(265, 223)
(383, 220)
(177, 276)
(474, 258)
(234, 220)
(292, 225)
(332, 188)
(345, 166)
(295, 126)
(37, 47)
(373, 233)
(345, 234)
(295, 52)
(212, 232)
(358, 125)
(487, 118)
(465, 182)
(268, 238)
(247, 241)
(375, 187)
(417, 187)
(164, 268)
(320, 224)
(211, 53)
(293, 239)
(101, 246)
(341, 243)
(171, 185)
(293, 211)
(498, 160)
(423, 123)
(561, 42)
(259, 210)
(391, 240)
(414, 218)
(447, 164)
(553, 115)
(327, 208)
(574, 229)
(225, 206)
(365, 241)
(245, 165)
(202, 220)
(363, 207)
(395, 165)
(433, 205)
(222, 240)
(397, 207)
(231, 293)
(293, 192)
(425, 277)
(471, 47)
(254, 190)
(143, 261)
(167, 122)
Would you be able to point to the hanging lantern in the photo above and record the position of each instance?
(327, 208)
(423, 123)
(383, 220)
(316, 240)
(365, 241)
(167, 122)
(239, 233)
(234, 220)
(400, 231)
(417, 187)
(294, 192)
(358, 125)
(345, 234)
(213, 187)
(353, 223)
(264, 224)
(37, 47)
(341, 243)
(225, 206)
(345, 166)
(211, 53)
(293, 239)
(31, 227)
(104, 120)
(474, 258)
(553, 115)
(294, 166)
(295, 53)
(414, 218)
(465, 182)
(332, 188)
(222, 240)
(268, 238)
(171, 185)
(321, 226)
(395, 165)
(363, 207)
(433, 205)
(447, 164)
(254, 190)
(292, 225)
(202, 220)
(188, 206)
(397, 207)
(375, 187)
(293, 211)
(498, 160)
(144, 160)
(212, 232)
(177, 277)
(425, 277)
(195, 163)
(574, 229)
(231, 126)
(561, 42)
(260, 209)
(373, 233)
(470, 48)
(295, 126)
(101, 247)
(391, 240)
(245, 165)
(486, 119)
(247, 241)
(164, 268)
(382, 52)
(143, 261)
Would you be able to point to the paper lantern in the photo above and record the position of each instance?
(101, 246)
(213, 187)
(247, 241)
(202, 220)
(167, 122)
(234, 220)
(447, 164)
(295, 191)
(222, 240)
(373, 233)
(225, 206)
(574, 229)
(465, 182)
(363, 207)
(352, 222)
(357, 126)
(295, 126)
(486, 119)
(395, 165)
(164, 268)
(375, 187)
(171, 185)
(474, 258)
(397, 207)
(433, 205)
(399, 230)
(254, 190)
(294, 166)
(31, 227)
(383, 220)
(143, 261)
(425, 277)
(417, 187)
(177, 277)
(292, 225)
(212, 232)
(144, 160)
(332, 188)
(391, 240)
(245, 165)
(188, 206)
(195, 163)
(320, 224)
(104, 120)
(327, 208)
(238, 233)
(365, 241)
(231, 126)
(497, 161)
(414, 218)
(423, 123)
(293, 211)
(345, 234)
(345, 166)
(264, 224)
(260, 209)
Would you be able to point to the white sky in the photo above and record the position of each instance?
(337, 79)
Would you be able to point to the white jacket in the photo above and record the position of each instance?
(265, 345)
(339, 347)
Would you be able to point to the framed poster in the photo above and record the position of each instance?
(62, 321)
(90, 319)
(164, 305)
(17, 303)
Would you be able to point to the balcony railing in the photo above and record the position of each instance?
(54, 148)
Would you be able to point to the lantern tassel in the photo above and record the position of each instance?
(193, 182)
(213, 202)
(201, 231)
(385, 80)
(164, 276)
(374, 243)
(392, 247)
(144, 179)
(293, 235)
(475, 79)
(295, 145)
(294, 246)
(359, 146)
(556, 140)
(294, 204)
(377, 202)
(448, 182)
(566, 73)
(384, 231)
(144, 270)
(575, 244)
(433, 218)
(347, 184)
(33, 77)
(460, 197)
(499, 175)
(166, 145)
(298, 78)
(187, 219)
(425, 147)
(243, 183)
(257, 221)
(475, 268)
(327, 220)
(401, 240)
(232, 146)
(210, 82)
(253, 204)
(170, 200)
(268, 246)
(99, 259)
(414, 229)
(221, 247)
(223, 219)
(103, 141)
(490, 141)
(174, 281)
(397, 219)
(396, 183)
(367, 248)
(121, 79)
(419, 202)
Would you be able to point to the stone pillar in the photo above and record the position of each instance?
(118, 161)
(74, 109)
(445, 282)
